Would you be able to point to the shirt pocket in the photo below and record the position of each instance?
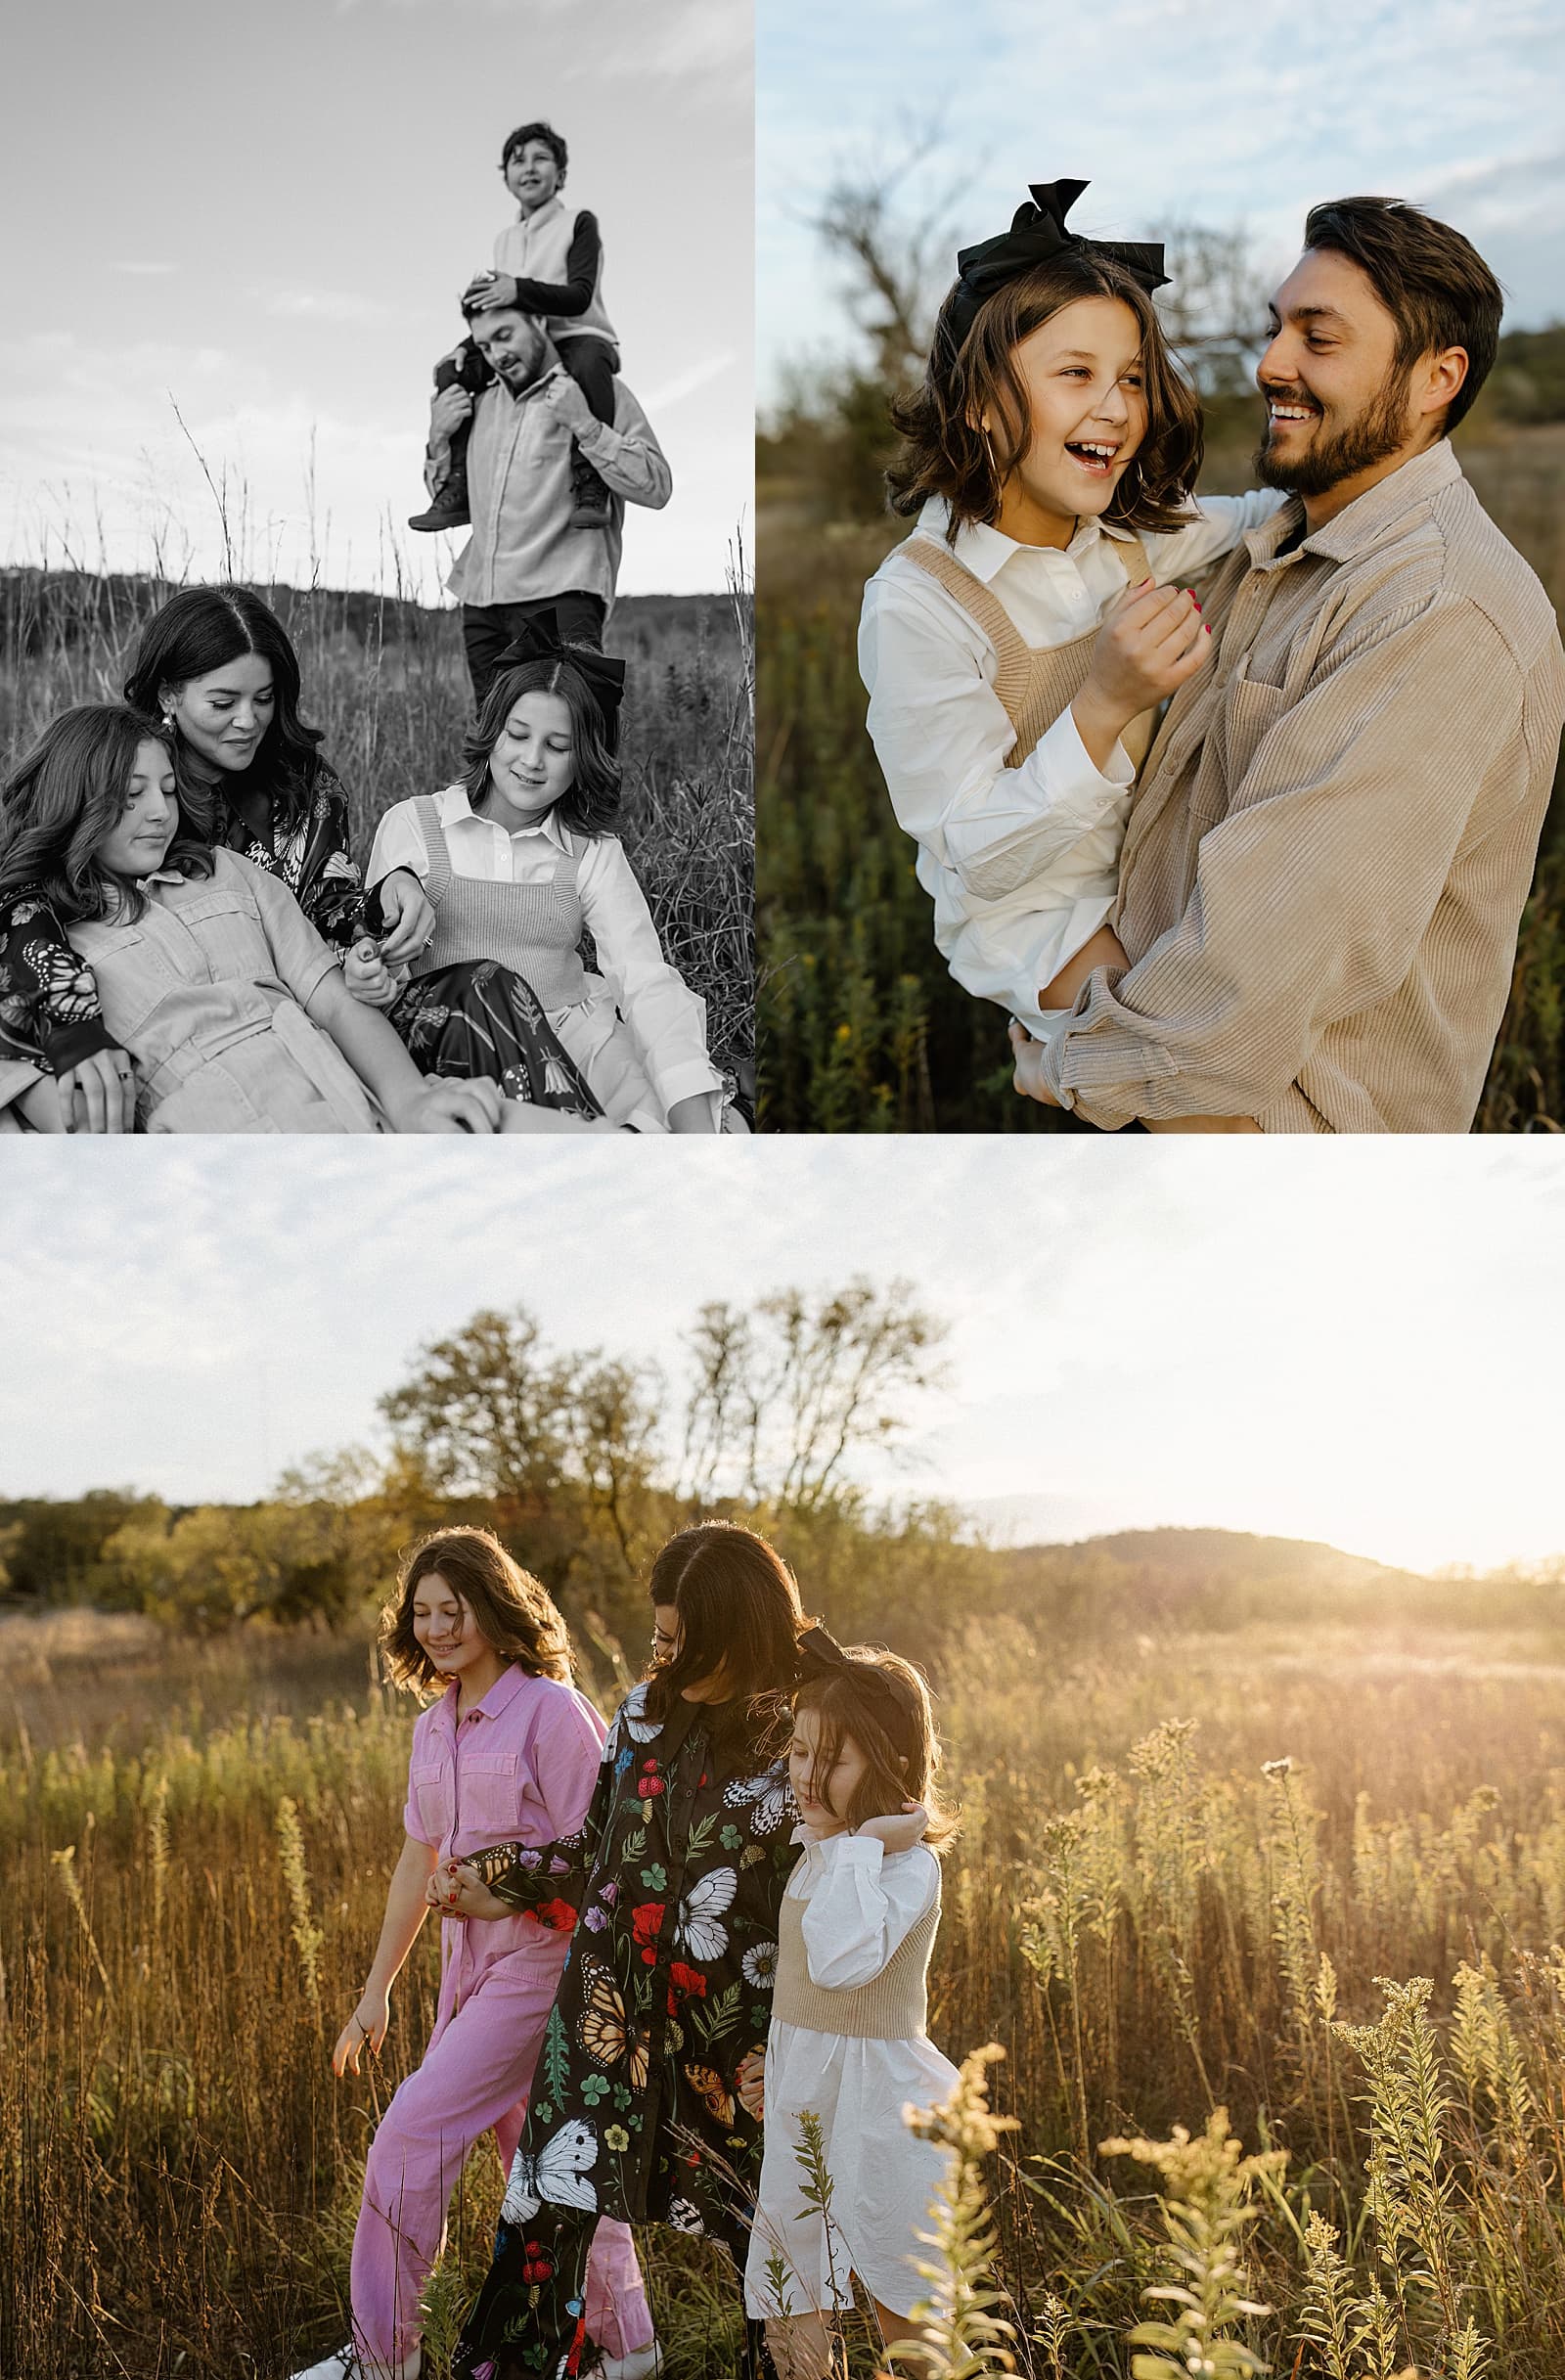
(430, 1794)
(1250, 710)
(488, 1797)
(224, 937)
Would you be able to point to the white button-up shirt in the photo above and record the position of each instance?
(942, 737)
(524, 548)
(667, 1019)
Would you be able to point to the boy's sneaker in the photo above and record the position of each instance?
(448, 511)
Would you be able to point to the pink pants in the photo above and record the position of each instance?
(474, 2078)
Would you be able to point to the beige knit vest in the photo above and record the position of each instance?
(1033, 686)
(533, 929)
(893, 2007)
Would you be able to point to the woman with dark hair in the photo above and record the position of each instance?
(672, 1890)
(518, 863)
(215, 665)
(1017, 645)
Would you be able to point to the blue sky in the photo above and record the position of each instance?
(1222, 112)
(1347, 1340)
(264, 215)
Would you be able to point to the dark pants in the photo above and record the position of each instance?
(574, 619)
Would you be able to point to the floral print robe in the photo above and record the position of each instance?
(671, 1891)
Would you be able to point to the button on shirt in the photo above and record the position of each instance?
(524, 548)
(942, 735)
(667, 1019)
(520, 1766)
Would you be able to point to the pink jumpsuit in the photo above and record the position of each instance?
(520, 1766)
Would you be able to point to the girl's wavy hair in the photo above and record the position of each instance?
(201, 629)
(515, 1614)
(739, 1612)
(590, 803)
(65, 797)
(944, 450)
(882, 1703)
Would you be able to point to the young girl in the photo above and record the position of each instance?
(848, 2039)
(229, 1009)
(216, 666)
(509, 1747)
(675, 1879)
(1016, 645)
(516, 858)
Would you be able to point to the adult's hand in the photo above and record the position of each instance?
(1028, 1077)
(368, 977)
(566, 403)
(99, 1094)
(410, 919)
(448, 410)
(1152, 641)
(749, 2084)
(450, 1107)
(364, 2030)
(456, 1890)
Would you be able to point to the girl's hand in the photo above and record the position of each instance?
(368, 977)
(410, 919)
(106, 1090)
(749, 2084)
(448, 1106)
(459, 1891)
(364, 2030)
(1151, 643)
(1028, 1078)
(902, 1829)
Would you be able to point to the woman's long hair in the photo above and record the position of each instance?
(944, 451)
(739, 1615)
(590, 802)
(67, 796)
(201, 629)
(514, 1613)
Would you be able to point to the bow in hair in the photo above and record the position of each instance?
(1036, 233)
(603, 675)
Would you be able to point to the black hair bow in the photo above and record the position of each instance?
(1036, 233)
(819, 1655)
(603, 675)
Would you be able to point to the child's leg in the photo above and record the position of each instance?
(462, 368)
(804, 2347)
(898, 2331)
(591, 364)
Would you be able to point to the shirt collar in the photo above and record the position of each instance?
(499, 1700)
(455, 806)
(1370, 520)
(985, 551)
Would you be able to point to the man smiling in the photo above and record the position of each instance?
(1327, 859)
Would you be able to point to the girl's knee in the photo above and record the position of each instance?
(802, 2347)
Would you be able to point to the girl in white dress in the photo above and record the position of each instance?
(849, 2039)
(1016, 645)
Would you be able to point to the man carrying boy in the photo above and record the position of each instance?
(1331, 847)
(526, 559)
(549, 263)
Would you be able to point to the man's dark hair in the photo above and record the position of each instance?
(551, 138)
(1433, 283)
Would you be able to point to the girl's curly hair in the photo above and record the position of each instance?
(590, 802)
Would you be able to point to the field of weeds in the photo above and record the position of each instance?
(385, 679)
(1319, 1887)
(862, 1029)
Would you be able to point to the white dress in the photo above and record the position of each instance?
(861, 1903)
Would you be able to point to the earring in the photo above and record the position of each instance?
(994, 467)
(168, 723)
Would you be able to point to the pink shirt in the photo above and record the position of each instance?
(519, 1768)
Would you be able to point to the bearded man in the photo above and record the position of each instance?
(1326, 861)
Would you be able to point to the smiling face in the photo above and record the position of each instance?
(223, 717)
(533, 761)
(444, 1628)
(511, 343)
(1086, 401)
(822, 1798)
(532, 176)
(150, 819)
(1340, 411)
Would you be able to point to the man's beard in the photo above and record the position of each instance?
(1342, 454)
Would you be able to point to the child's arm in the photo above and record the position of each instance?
(571, 297)
(405, 1912)
(667, 1018)
(548, 1880)
(862, 1909)
(51, 1021)
(380, 1059)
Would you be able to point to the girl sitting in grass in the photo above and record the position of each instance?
(518, 861)
(227, 1011)
(512, 1748)
(848, 2043)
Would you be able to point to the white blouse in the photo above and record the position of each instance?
(861, 1903)
(667, 1018)
(942, 737)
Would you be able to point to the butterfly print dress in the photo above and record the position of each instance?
(671, 1893)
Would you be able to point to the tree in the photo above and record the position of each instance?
(489, 1412)
(783, 1396)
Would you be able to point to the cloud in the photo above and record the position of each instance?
(342, 306)
(668, 393)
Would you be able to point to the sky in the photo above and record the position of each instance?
(1356, 1342)
(263, 217)
(1224, 112)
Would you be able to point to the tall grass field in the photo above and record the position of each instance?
(1315, 1883)
(384, 677)
(862, 1027)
